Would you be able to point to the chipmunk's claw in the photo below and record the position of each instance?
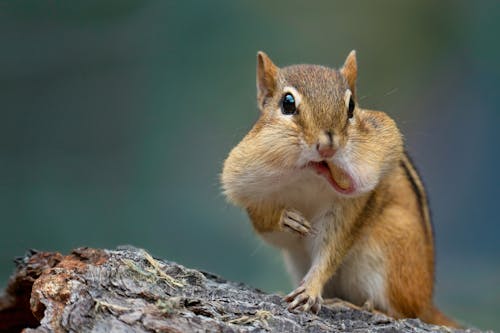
(291, 296)
(293, 221)
(301, 299)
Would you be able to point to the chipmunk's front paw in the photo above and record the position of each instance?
(304, 299)
(293, 221)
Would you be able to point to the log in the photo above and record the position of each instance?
(127, 290)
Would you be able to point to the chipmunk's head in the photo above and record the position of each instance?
(311, 120)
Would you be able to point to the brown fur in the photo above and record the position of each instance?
(380, 235)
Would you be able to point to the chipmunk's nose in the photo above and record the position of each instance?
(325, 145)
(325, 152)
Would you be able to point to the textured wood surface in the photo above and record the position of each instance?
(127, 290)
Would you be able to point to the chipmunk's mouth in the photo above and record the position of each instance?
(340, 180)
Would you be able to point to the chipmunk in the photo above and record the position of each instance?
(331, 185)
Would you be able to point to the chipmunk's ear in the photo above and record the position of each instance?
(267, 74)
(350, 71)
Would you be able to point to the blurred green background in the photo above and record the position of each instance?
(116, 117)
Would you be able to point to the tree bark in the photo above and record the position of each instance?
(127, 290)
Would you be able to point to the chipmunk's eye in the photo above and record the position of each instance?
(288, 104)
(350, 109)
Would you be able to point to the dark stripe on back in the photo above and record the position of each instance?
(421, 196)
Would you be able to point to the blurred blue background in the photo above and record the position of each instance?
(116, 116)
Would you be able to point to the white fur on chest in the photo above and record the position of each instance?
(312, 197)
(309, 195)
